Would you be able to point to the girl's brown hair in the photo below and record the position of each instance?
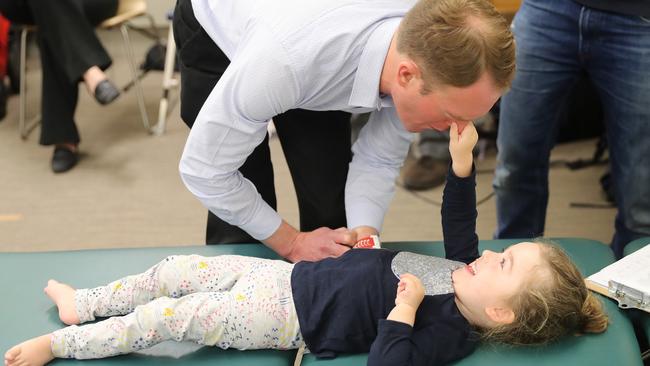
(553, 302)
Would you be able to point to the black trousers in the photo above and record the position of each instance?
(315, 144)
(68, 47)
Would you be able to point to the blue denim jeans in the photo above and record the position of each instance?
(557, 41)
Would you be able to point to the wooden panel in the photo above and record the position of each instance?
(507, 6)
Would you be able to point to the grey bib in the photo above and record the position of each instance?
(434, 272)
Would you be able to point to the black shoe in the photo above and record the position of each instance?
(106, 92)
(63, 159)
(423, 173)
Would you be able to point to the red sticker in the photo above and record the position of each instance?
(371, 241)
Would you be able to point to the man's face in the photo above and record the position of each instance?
(442, 106)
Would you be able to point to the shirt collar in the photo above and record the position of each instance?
(365, 90)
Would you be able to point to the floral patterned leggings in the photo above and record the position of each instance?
(225, 301)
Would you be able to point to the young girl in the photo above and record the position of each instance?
(402, 308)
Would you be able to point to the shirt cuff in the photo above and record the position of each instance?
(394, 327)
(453, 179)
(364, 213)
(263, 223)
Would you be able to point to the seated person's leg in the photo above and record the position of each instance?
(59, 101)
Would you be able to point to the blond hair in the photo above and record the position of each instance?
(553, 302)
(454, 42)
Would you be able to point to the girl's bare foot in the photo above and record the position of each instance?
(63, 297)
(36, 351)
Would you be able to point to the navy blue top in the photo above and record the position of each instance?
(342, 303)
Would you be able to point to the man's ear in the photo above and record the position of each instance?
(407, 70)
(500, 315)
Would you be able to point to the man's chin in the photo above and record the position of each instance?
(417, 127)
(411, 127)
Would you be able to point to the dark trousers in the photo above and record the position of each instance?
(68, 47)
(315, 144)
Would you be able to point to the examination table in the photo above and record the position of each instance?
(27, 312)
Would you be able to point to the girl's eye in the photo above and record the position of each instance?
(503, 262)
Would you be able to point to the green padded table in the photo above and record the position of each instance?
(27, 312)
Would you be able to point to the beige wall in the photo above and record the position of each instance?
(158, 9)
(507, 6)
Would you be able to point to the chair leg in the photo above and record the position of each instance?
(167, 83)
(24, 127)
(128, 48)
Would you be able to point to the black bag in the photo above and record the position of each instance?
(155, 59)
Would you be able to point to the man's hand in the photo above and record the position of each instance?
(409, 291)
(321, 243)
(364, 231)
(461, 145)
(311, 246)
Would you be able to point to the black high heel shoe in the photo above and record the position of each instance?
(106, 92)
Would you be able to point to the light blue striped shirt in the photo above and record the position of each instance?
(287, 54)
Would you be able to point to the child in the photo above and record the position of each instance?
(399, 306)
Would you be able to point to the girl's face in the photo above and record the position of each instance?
(484, 287)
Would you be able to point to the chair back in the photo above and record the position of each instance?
(126, 10)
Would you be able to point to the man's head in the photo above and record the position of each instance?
(453, 59)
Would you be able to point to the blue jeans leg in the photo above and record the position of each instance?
(548, 66)
(619, 66)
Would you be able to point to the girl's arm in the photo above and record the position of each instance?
(393, 345)
(459, 197)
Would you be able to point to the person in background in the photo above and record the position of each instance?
(70, 53)
(557, 42)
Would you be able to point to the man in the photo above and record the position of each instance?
(559, 41)
(418, 68)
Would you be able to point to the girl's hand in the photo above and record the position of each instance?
(409, 291)
(461, 145)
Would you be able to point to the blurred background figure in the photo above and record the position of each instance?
(70, 53)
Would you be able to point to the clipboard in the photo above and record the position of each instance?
(627, 280)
